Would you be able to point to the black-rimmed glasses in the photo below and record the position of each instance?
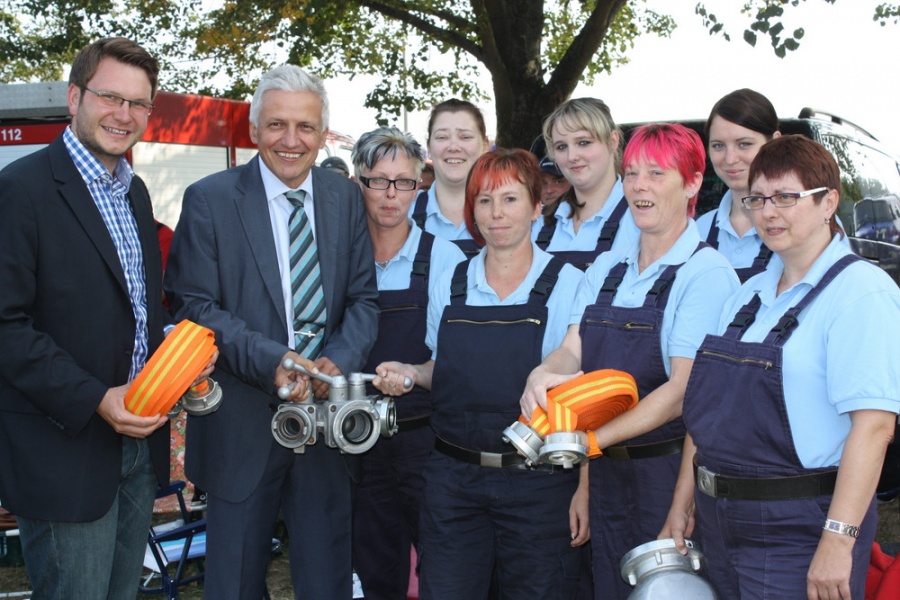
(110, 100)
(782, 200)
(380, 183)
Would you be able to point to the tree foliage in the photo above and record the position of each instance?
(536, 51)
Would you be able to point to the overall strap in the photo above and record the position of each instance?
(418, 277)
(712, 238)
(762, 259)
(743, 319)
(459, 284)
(611, 227)
(611, 284)
(658, 295)
(419, 210)
(545, 235)
(788, 322)
(544, 285)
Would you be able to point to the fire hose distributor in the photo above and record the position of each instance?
(349, 420)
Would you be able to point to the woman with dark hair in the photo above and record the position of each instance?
(584, 142)
(737, 127)
(790, 407)
(644, 311)
(457, 136)
(490, 321)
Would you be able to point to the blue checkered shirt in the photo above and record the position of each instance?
(109, 193)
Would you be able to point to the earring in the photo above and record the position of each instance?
(827, 220)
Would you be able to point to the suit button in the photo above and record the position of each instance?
(129, 351)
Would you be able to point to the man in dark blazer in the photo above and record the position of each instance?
(80, 313)
(229, 270)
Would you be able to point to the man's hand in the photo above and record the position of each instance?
(287, 377)
(320, 388)
(112, 409)
(207, 370)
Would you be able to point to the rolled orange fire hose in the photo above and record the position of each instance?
(177, 362)
(585, 403)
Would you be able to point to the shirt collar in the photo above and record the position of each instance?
(89, 167)
(275, 187)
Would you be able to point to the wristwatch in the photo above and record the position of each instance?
(841, 528)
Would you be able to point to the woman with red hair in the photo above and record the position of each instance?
(644, 310)
(491, 320)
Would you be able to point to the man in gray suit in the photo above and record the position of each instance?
(230, 269)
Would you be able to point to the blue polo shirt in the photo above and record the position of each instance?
(703, 284)
(481, 294)
(843, 356)
(739, 250)
(565, 238)
(395, 275)
(437, 223)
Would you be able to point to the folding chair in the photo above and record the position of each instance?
(180, 546)
(173, 549)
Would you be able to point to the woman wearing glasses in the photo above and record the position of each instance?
(737, 127)
(490, 321)
(644, 310)
(457, 136)
(584, 141)
(790, 408)
(408, 262)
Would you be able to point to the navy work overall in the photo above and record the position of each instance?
(632, 484)
(759, 537)
(386, 516)
(469, 247)
(476, 514)
(744, 273)
(585, 258)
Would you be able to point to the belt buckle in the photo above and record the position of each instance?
(706, 481)
(492, 460)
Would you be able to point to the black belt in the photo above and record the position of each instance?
(764, 488)
(653, 450)
(485, 459)
(411, 423)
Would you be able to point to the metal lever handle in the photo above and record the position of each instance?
(407, 381)
(285, 391)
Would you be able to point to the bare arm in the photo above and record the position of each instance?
(680, 521)
(579, 510)
(560, 366)
(870, 433)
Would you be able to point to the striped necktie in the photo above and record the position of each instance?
(306, 282)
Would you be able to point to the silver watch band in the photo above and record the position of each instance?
(841, 528)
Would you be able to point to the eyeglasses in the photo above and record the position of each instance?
(782, 200)
(380, 183)
(110, 100)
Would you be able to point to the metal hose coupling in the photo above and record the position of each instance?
(657, 570)
(349, 420)
(585, 403)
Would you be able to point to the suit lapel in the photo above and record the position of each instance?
(327, 234)
(80, 201)
(253, 208)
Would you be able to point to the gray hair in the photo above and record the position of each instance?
(288, 78)
(386, 142)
